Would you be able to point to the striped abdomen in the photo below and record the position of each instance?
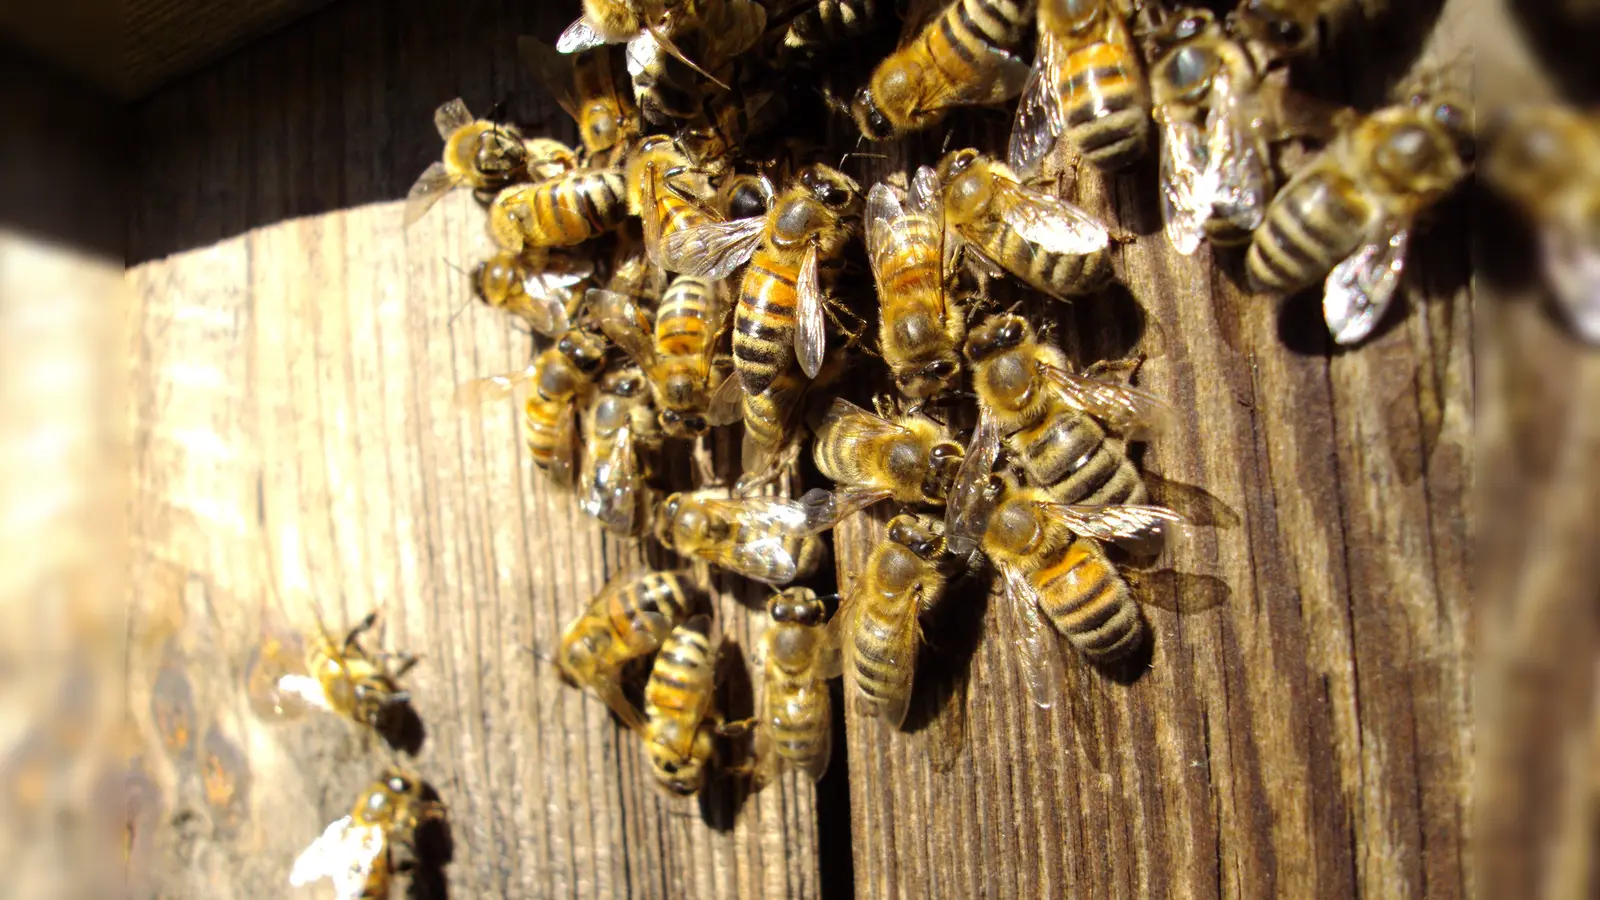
(797, 710)
(660, 593)
(1090, 603)
(764, 321)
(681, 680)
(964, 38)
(1311, 226)
(1069, 453)
(883, 652)
(767, 415)
(1107, 105)
(772, 568)
(683, 318)
(674, 212)
(544, 426)
(823, 23)
(575, 207)
(1058, 274)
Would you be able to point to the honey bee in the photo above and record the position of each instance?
(665, 193)
(676, 352)
(1046, 242)
(1348, 213)
(920, 326)
(781, 298)
(771, 418)
(628, 619)
(812, 28)
(348, 681)
(876, 626)
(768, 539)
(355, 849)
(910, 458)
(794, 716)
(593, 87)
(1087, 83)
(962, 57)
(485, 156)
(619, 426)
(568, 209)
(1051, 564)
(1216, 166)
(1285, 28)
(681, 723)
(1543, 160)
(542, 287)
(717, 30)
(1054, 421)
(563, 378)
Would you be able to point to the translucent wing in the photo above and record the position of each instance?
(926, 193)
(450, 117)
(1037, 646)
(1237, 171)
(650, 216)
(971, 494)
(841, 413)
(1573, 268)
(434, 182)
(552, 68)
(1185, 205)
(765, 559)
(1050, 222)
(305, 689)
(816, 696)
(493, 388)
(612, 491)
(1130, 412)
(625, 324)
(579, 36)
(727, 401)
(1129, 523)
(608, 688)
(346, 853)
(825, 509)
(1358, 291)
(895, 227)
(641, 55)
(1001, 78)
(565, 449)
(713, 250)
(810, 337)
(1041, 113)
(882, 212)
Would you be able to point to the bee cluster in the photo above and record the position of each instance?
(689, 267)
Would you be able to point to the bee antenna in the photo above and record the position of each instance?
(859, 154)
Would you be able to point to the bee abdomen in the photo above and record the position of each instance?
(1106, 478)
(539, 429)
(1115, 140)
(997, 23)
(764, 324)
(682, 672)
(1310, 227)
(1069, 274)
(575, 207)
(880, 678)
(1057, 446)
(1090, 603)
(1110, 122)
(800, 724)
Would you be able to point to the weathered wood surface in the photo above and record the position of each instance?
(1302, 731)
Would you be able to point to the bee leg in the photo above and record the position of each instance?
(406, 662)
(737, 728)
(361, 627)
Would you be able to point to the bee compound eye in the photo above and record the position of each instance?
(695, 425)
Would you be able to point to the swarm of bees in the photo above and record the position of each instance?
(691, 266)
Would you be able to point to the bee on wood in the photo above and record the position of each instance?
(780, 311)
(768, 539)
(568, 209)
(909, 458)
(681, 720)
(1087, 83)
(594, 88)
(345, 679)
(543, 287)
(920, 324)
(676, 351)
(563, 378)
(794, 717)
(1055, 422)
(619, 427)
(666, 192)
(1346, 217)
(1044, 241)
(355, 851)
(877, 627)
(627, 620)
(1545, 160)
(482, 155)
(960, 57)
(1216, 165)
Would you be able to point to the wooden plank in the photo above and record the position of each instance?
(299, 459)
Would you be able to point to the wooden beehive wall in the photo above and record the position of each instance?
(1302, 730)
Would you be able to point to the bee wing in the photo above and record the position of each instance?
(971, 499)
(451, 116)
(609, 689)
(1035, 641)
(552, 68)
(1131, 523)
(434, 182)
(713, 250)
(1237, 164)
(810, 338)
(579, 36)
(1573, 269)
(1185, 204)
(1041, 112)
(625, 324)
(926, 194)
(345, 852)
(843, 413)
(825, 509)
(836, 634)
(306, 689)
(479, 391)
(566, 446)
(1050, 222)
(611, 493)
(727, 401)
(649, 217)
(1358, 291)
(545, 307)
(1004, 77)
(1130, 412)
(883, 211)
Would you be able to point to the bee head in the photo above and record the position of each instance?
(869, 115)
(1274, 23)
(911, 533)
(996, 335)
(679, 776)
(797, 605)
(494, 279)
(499, 153)
(601, 126)
(586, 352)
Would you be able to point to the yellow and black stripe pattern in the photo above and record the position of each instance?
(1312, 225)
(764, 321)
(1071, 454)
(1108, 109)
(1088, 601)
(559, 212)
